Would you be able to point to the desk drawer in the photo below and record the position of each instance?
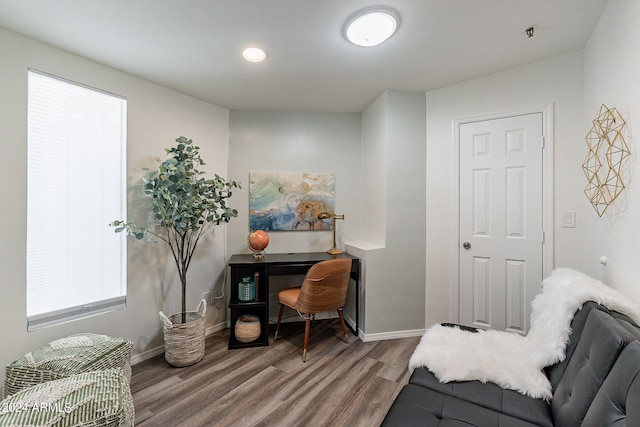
(277, 270)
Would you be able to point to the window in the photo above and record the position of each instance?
(76, 264)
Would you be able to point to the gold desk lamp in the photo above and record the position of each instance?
(326, 215)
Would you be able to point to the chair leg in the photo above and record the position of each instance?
(344, 327)
(307, 326)
(275, 336)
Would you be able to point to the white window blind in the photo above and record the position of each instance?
(76, 264)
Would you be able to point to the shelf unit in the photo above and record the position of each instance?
(259, 307)
(245, 265)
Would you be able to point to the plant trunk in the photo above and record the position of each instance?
(183, 279)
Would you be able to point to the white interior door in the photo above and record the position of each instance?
(501, 221)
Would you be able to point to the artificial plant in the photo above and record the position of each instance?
(185, 206)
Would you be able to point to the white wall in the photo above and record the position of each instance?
(327, 143)
(557, 80)
(612, 70)
(374, 167)
(378, 158)
(576, 84)
(261, 141)
(393, 250)
(156, 117)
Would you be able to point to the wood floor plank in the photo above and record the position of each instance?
(158, 388)
(196, 393)
(341, 384)
(339, 395)
(245, 405)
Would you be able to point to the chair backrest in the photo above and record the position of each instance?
(325, 286)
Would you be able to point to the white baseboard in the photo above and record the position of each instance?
(350, 322)
(390, 335)
(141, 357)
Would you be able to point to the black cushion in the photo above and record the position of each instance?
(490, 396)
(601, 341)
(618, 400)
(421, 406)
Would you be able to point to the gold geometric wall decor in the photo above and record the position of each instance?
(605, 159)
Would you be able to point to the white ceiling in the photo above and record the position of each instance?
(194, 46)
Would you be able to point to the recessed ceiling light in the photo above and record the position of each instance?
(370, 27)
(254, 54)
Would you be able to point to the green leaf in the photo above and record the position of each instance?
(182, 200)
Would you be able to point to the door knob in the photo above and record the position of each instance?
(466, 245)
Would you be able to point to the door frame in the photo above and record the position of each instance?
(547, 189)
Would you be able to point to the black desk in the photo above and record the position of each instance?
(244, 265)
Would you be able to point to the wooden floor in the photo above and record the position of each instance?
(340, 384)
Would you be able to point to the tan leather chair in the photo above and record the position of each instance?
(324, 289)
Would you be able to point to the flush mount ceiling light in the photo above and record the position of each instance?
(254, 54)
(372, 26)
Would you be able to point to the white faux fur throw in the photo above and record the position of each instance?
(510, 360)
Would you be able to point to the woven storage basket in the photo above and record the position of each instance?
(184, 342)
(65, 357)
(247, 328)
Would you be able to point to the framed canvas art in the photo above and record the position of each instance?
(290, 201)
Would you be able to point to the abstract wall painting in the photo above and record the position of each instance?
(290, 201)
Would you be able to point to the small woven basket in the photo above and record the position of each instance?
(184, 342)
(247, 328)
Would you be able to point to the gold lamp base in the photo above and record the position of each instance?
(335, 251)
(325, 215)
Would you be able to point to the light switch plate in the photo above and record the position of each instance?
(568, 219)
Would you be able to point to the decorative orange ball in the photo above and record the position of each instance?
(258, 240)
